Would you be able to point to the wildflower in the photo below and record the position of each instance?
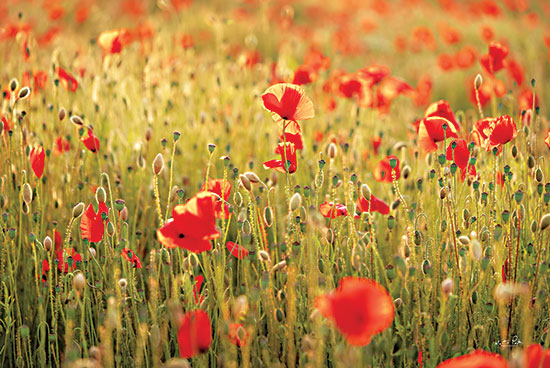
(199, 279)
(289, 154)
(194, 334)
(359, 307)
(67, 80)
(222, 189)
(37, 157)
(112, 41)
(236, 250)
(547, 140)
(333, 210)
(192, 225)
(288, 101)
(493, 61)
(492, 133)
(458, 152)
(238, 334)
(61, 145)
(372, 204)
(91, 224)
(131, 257)
(535, 356)
(477, 359)
(91, 141)
(383, 170)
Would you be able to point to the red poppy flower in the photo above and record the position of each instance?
(525, 100)
(374, 205)
(547, 140)
(192, 225)
(237, 250)
(112, 41)
(359, 307)
(303, 75)
(67, 80)
(61, 145)
(91, 141)
(329, 209)
(288, 101)
(351, 87)
(194, 334)
(222, 188)
(131, 257)
(199, 279)
(477, 359)
(70, 264)
(374, 74)
(459, 154)
(515, 70)
(234, 337)
(293, 138)
(45, 270)
(383, 170)
(465, 57)
(494, 132)
(37, 157)
(289, 154)
(442, 109)
(8, 125)
(187, 41)
(445, 62)
(91, 224)
(493, 61)
(536, 357)
(431, 131)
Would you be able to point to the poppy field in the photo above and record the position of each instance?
(280, 183)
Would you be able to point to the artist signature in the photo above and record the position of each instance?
(515, 341)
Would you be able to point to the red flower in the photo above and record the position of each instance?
(359, 307)
(477, 359)
(442, 109)
(493, 61)
(288, 101)
(492, 133)
(70, 264)
(192, 225)
(61, 145)
(351, 88)
(67, 80)
(289, 154)
(547, 140)
(465, 57)
(329, 209)
(222, 188)
(131, 257)
(45, 270)
(91, 141)
(303, 75)
(431, 131)
(187, 41)
(293, 138)
(234, 337)
(197, 289)
(37, 157)
(459, 154)
(383, 170)
(91, 224)
(112, 41)
(374, 205)
(194, 334)
(525, 100)
(515, 70)
(237, 250)
(536, 357)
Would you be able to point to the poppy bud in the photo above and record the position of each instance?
(77, 120)
(100, 195)
(531, 162)
(331, 150)
(544, 222)
(279, 266)
(211, 147)
(245, 182)
(252, 177)
(464, 240)
(240, 307)
(23, 93)
(406, 171)
(14, 84)
(478, 81)
(295, 201)
(92, 252)
(61, 114)
(78, 209)
(539, 177)
(110, 229)
(79, 281)
(443, 193)
(264, 256)
(476, 250)
(122, 283)
(365, 191)
(27, 193)
(124, 214)
(447, 287)
(514, 151)
(268, 216)
(47, 243)
(158, 164)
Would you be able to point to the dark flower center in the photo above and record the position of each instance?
(181, 236)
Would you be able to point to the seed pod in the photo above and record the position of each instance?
(78, 209)
(252, 177)
(245, 182)
(514, 151)
(478, 81)
(268, 216)
(365, 191)
(77, 120)
(27, 193)
(110, 229)
(264, 256)
(100, 195)
(23, 93)
(158, 164)
(295, 201)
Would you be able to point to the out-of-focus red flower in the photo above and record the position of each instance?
(492, 133)
(56, 12)
(373, 74)
(82, 11)
(431, 130)
(487, 33)
(192, 225)
(515, 70)
(91, 141)
(181, 4)
(535, 356)
(69, 264)
(547, 140)
(383, 170)
(373, 205)
(92, 225)
(351, 87)
(7, 124)
(494, 60)
(48, 36)
(131, 257)
(489, 87)
(423, 91)
(238, 251)
(288, 101)
(194, 333)
(303, 75)
(458, 152)
(61, 145)
(187, 41)
(37, 158)
(525, 100)
(331, 210)
(222, 189)
(477, 359)
(199, 279)
(445, 62)
(288, 154)
(376, 141)
(134, 8)
(360, 308)
(234, 333)
(113, 41)
(465, 57)
(67, 80)
(448, 34)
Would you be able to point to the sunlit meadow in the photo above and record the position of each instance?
(274, 183)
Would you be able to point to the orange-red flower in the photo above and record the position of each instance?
(192, 225)
(329, 209)
(67, 80)
(194, 334)
(114, 40)
(536, 357)
(442, 109)
(234, 337)
(373, 205)
(131, 257)
(288, 101)
(458, 152)
(492, 133)
(383, 170)
(91, 141)
(238, 251)
(547, 140)
(222, 189)
(493, 61)
(360, 308)
(92, 225)
(289, 153)
(477, 359)
(37, 157)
